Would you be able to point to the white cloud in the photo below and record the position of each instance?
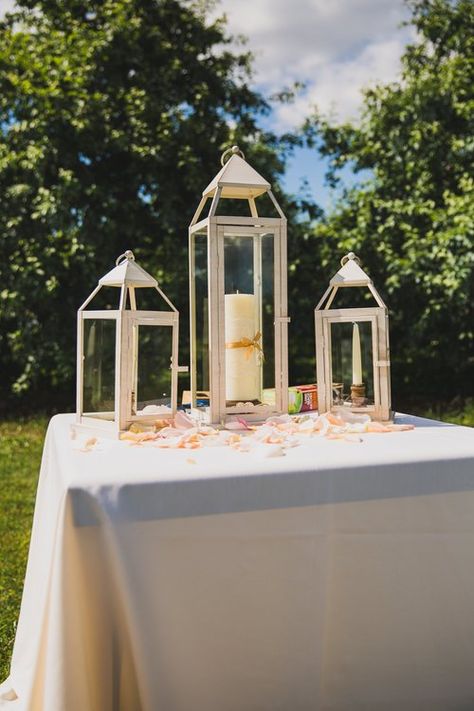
(335, 46)
(337, 86)
(6, 6)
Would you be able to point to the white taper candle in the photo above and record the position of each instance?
(241, 366)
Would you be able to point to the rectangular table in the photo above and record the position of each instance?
(338, 577)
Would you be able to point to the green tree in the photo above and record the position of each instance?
(113, 114)
(412, 221)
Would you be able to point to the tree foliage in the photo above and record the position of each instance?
(113, 114)
(412, 222)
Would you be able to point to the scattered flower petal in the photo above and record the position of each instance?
(271, 438)
(183, 421)
(89, 444)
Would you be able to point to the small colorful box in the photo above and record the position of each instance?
(310, 397)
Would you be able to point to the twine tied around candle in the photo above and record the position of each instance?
(250, 344)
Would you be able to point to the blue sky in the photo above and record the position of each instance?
(335, 47)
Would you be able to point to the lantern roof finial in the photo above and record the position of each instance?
(235, 150)
(237, 179)
(350, 273)
(128, 254)
(128, 272)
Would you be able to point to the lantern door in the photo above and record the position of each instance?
(249, 333)
(238, 318)
(98, 365)
(149, 353)
(355, 361)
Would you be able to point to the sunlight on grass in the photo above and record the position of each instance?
(21, 444)
(461, 415)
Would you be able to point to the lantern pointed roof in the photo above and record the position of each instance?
(128, 273)
(237, 179)
(350, 274)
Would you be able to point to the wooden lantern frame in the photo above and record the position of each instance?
(127, 276)
(352, 275)
(237, 180)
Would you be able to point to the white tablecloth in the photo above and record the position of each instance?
(338, 577)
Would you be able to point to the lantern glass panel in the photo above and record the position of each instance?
(267, 326)
(239, 267)
(346, 365)
(249, 315)
(201, 313)
(153, 372)
(99, 368)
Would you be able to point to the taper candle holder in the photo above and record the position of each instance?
(358, 395)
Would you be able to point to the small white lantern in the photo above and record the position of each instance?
(126, 357)
(238, 299)
(352, 349)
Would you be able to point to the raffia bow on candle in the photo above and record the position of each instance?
(250, 344)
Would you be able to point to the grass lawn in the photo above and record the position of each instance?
(20, 455)
(458, 416)
(21, 444)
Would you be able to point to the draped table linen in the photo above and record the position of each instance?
(337, 577)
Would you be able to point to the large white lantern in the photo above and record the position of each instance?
(127, 357)
(352, 349)
(238, 298)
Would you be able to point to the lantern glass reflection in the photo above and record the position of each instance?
(249, 316)
(344, 362)
(99, 368)
(153, 371)
(201, 313)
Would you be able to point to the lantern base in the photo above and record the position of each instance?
(250, 412)
(376, 414)
(254, 411)
(239, 403)
(79, 429)
(93, 427)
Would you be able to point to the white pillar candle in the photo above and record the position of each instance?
(356, 356)
(242, 365)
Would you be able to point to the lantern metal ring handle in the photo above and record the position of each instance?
(235, 150)
(349, 256)
(128, 255)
